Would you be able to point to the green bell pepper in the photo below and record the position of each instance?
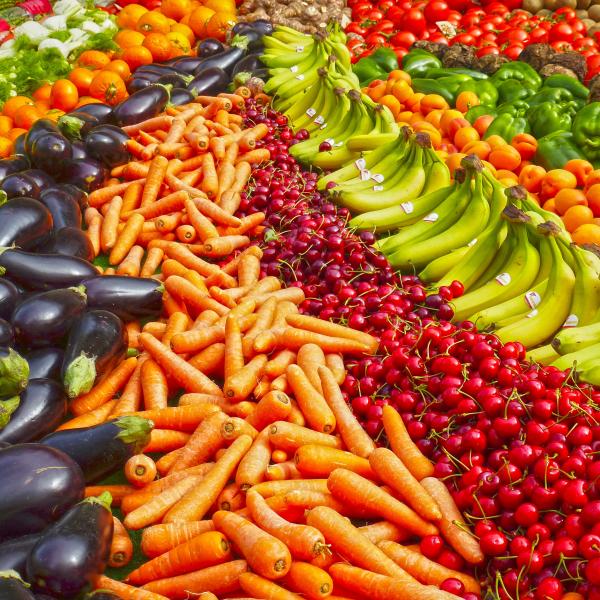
(443, 87)
(445, 72)
(479, 111)
(550, 94)
(367, 70)
(556, 149)
(518, 70)
(507, 126)
(568, 83)
(546, 118)
(518, 108)
(386, 58)
(417, 62)
(485, 90)
(586, 131)
(510, 90)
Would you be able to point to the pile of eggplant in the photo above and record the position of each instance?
(213, 69)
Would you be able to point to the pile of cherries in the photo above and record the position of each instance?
(517, 444)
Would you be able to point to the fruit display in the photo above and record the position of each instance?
(284, 317)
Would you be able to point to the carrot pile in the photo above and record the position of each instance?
(263, 468)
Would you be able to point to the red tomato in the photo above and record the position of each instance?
(400, 53)
(495, 8)
(488, 38)
(375, 15)
(566, 11)
(437, 10)
(439, 38)
(561, 32)
(562, 46)
(361, 10)
(513, 50)
(395, 15)
(385, 5)
(385, 26)
(376, 39)
(578, 26)
(475, 32)
(538, 36)
(403, 38)
(414, 21)
(356, 28)
(517, 35)
(488, 50)
(463, 38)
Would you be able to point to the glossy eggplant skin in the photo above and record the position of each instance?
(41, 178)
(79, 195)
(107, 143)
(79, 152)
(42, 407)
(102, 449)
(45, 271)
(209, 47)
(85, 173)
(40, 128)
(130, 298)
(136, 84)
(39, 484)
(7, 334)
(101, 111)
(249, 64)
(72, 552)
(45, 363)
(14, 588)
(45, 319)
(142, 105)
(181, 96)
(88, 123)
(24, 222)
(209, 82)
(187, 64)
(225, 60)
(20, 185)
(174, 79)
(50, 151)
(13, 164)
(70, 241)
(261, 26)
(102, 595)
(96, 342)
(9, 296)
(14, 553)
(64, 210)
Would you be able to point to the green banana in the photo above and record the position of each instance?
(438, 267)
(589, 371)
(437, 176)
(580, 357)
(543, 355)
(573, 339)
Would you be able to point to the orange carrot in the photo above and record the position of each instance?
(268, 556)
(252, 467)
(289, 437)
(160, 485)
(201, 224)
(249, 223)
(279, 456)
(254, 157)
(106, 194)
(273, 488)
(203, 551)
(335, 363)
(211, 360)
(177, 323)
(226, 171)
(154, 180)
(452, 524)
(354, 436)
(155, 390)
(248, 270)
(234, 357)
(233, 427)
(106, 389)
(392, 471)
(280, 362)
(264, 319)
(310, 358)
(384, 531)
(152, 124)
(121, 548)
(152, 262)
(167, 223)
(320, 461)
(379, 587)
(155, 328)
(93, 233)
(194, 505)
(170, 203)
(425, 570)
(274, 406)
(283, 470)
(352, 545)
(126, 239)
(118, 492)
(259, 587)
(132, 264)
(171, 305)
(219, 579)
(189, 260)
(189, 378)
(124, 591)
(166, 440)
(230, 201)
(179, 418)
(186, 234)
(309, 580)
(311, 402)
(158, 539)
(240, 385)
(217, 247)
(89, 419)
(403, 446)
(293, 339)
(210, 181)
(108, 232)
(132, 196)
(140, 470)
(133, 329)
(203, 443)
(131, 398)
(231, 498)
(293, 294)
(308, 499)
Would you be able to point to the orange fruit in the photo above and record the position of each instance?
(557, 179)
(130, 15)
(465, 100)
(26, 116)
(93, 59)
(13, 104)
(159, 45)
(136, 56)
(566, 198)
(15, 132)
(6, 147)
(226, 6)
(465, 135)
(120, 67)
(587, 234)
(126, 38)
(64, 95)
(54, 114)
(593, 197)
(180, 45)
(153, 22)
(43, 92)
(108, 87)
(577, 216)
(176, 9)
(185, 30)
(82, 78)
(83, 100)
(6, 124)
(199, 20)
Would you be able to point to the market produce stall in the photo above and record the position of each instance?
(299, 310)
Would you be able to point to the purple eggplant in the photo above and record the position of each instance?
(50, 151)
(157, 69)
(85, 173)
(64, 210)
(209, 82)
(24, 222)
(20, 185)
(74, 551)
(252, 37)
(19, 144)
(249, 64)
(40, 128)
(262, 26)
(14, 553)
(44, 271)
(12, 587)
(187, 64)
(39, 484)
(70, 241)
(97, 341)
(175, 80)
(130, 298)
(135, 84)
(14, 372)
(209, 47)
(7, 334)
(9, 296)
(45, 319)
(45, 597)
(142, 105)
(108, 144)
(76, 193)
(102, 595)
(41, 409)
(41, 178)
(79, 151)
(226, 59)
(13, 165)
(101, 111)
(45, 363)
(76, 125)
(180, 96)
(103, 449)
